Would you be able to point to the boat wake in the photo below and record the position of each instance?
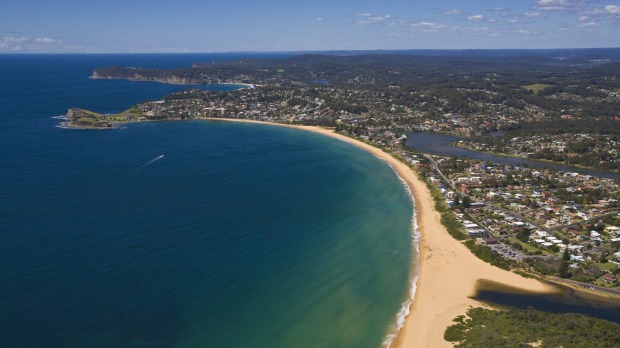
(151, 161)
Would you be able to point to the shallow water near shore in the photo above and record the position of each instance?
(187, 234)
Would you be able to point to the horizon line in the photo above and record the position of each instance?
(317, 51)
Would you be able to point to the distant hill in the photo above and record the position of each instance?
(372, 70)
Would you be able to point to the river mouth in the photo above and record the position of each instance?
(563, 300)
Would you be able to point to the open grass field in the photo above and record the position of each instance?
(537, 87)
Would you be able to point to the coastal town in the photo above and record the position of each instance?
(543, 221)
(349, 174)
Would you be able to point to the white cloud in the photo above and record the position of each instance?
(13, 44)
(612, 9)
(607, 10)
(523, 31)
(588, 24)
(428, 25)
(557, 5)
(475, 18)
(15, 39)
(533, 15)
(318, 19)
(370, 19)
(526, 16)
(583, 18)
(579, 7)
(472, 30)
(452, 12)
(26, 44)
(46, 40)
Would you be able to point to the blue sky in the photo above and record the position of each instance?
(112, 26)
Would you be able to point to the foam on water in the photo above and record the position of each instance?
(404, 311)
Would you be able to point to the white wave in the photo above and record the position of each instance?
(404, 311)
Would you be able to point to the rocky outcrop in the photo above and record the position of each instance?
(79, 118)
(137, 74)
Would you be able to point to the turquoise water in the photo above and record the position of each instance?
(241, 235)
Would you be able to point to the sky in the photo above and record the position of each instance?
(154, 26)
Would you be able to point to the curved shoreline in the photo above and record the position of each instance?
(448, 271)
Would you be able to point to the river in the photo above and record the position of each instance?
(440, 144)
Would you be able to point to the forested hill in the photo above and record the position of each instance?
(382, 70)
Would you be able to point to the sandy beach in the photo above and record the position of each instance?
(448, 270)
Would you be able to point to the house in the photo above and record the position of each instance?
(489, 241)
(612, 229)
(476, 233)
(575, 248)
(609, 278)
(589, 256)
(576, 258)
(477, 204)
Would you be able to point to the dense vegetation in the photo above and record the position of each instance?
(487, 254)
(524, 328)
(384, 70)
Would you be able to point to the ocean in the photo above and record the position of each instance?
(188, 233)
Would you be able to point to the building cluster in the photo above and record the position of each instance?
(384, 116)
(369, 112)
(531, 215)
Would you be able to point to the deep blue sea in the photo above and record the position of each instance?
(241, 235)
